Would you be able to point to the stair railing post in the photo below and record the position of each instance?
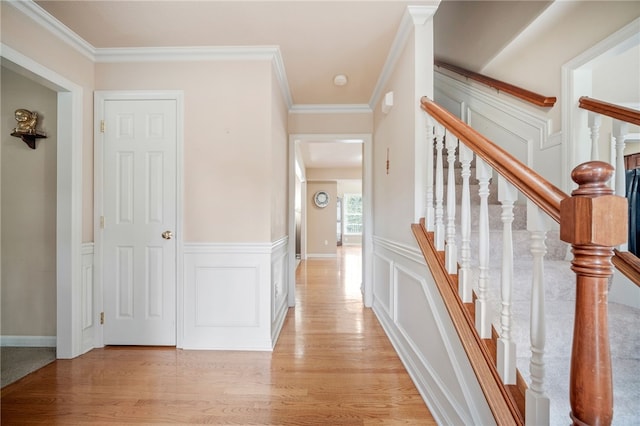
(451, 252)
(483, 318)
(620, 133)
(593, 221)
(537, 404)
(429, 213)
(465, 286)
(594, 120)
(439, 223)
(506, 347)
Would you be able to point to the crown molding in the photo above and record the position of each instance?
(51, 24)
(185, 53)
(413, 16)
(201, 53)
(330, 109)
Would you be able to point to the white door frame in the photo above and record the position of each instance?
(367, 210)
(577, 82)
(99, 99)
(68, 199)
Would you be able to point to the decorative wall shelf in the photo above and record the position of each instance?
(29, 138)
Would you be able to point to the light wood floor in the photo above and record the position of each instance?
(333, 365)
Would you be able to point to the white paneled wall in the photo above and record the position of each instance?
(234, 295)
(89, 317)
(411, 310)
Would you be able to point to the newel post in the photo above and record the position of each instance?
(593, 221)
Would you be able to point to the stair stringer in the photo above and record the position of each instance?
(413, 314)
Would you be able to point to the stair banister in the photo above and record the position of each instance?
(593, 221)
(544, 194)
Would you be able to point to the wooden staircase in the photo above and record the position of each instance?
(591, 220)
(506, 401)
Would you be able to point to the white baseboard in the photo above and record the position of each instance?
(29, 341)
(322, 255)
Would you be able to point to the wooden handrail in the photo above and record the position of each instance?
(593, 220)
(628, 264)
(544, 194)
(618, 112)
(518, 92)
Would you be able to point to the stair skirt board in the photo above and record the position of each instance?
(29, 341)
(414, 318)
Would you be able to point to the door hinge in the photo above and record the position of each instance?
(101, 222)
(101, 126)
(101, 318)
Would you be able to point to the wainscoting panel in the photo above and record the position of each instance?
(233, 295)
(279, 286)
(521, 129)
(88, 314)
(421, 331)
(382, 270)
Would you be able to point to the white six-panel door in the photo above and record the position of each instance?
(139, 249)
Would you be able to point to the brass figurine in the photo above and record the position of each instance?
(26, 127)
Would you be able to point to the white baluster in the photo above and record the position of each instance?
(429, 218)
(451, 259)
(465, 286)
(536, 401)
(620, 129)
(620, 133)
(506, 349)
(595, 120)
(439, 210)
(483, 320)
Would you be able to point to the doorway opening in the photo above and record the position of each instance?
(71, 329)
(324, 171)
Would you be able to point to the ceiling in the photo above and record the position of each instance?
(317, 39)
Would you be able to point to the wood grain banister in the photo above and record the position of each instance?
(520, 93)
(628, 264)
(544, 194)
(617, 112)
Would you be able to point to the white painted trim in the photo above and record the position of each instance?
(249, 265)
(414, 15)
(322, 255)
(68, 200)
(367, 214)
(408, 252)
(99, 99)
(509, 106)
(224, 248)
(330, 109)
(43, 18)
(405, 259)
(577, 74)
(29, 341)
(201, 53)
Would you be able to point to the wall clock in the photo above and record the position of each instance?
(321, 199)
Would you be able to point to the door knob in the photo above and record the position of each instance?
(167, 235)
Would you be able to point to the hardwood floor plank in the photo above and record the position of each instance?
(333, 365)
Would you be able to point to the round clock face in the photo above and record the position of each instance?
(321, 199)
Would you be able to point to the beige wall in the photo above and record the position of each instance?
(279, 161)
(393, 193)
(321, 222)
(331, 123)
(228, 171)
(24, 36)
(28, 212)
(329, 173)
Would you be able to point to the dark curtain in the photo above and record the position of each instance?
(632, 180)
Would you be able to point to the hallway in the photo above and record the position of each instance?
(333, 365)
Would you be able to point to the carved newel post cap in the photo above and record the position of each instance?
(592, 178)
(593, 215)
